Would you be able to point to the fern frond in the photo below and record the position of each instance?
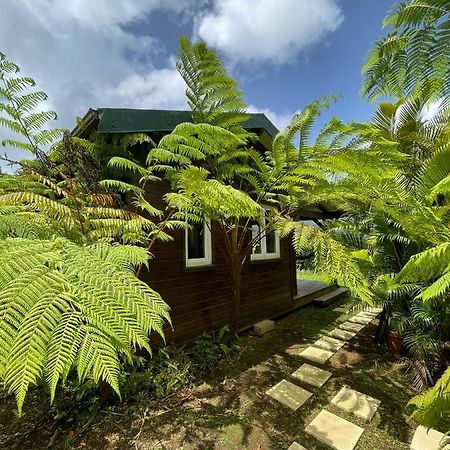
(54, 209)
(66, 306)
(433, 406)
(413, 60)
(212, 94)
(330, 256)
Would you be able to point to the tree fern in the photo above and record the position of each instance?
(19, 108)
(67, 306)
(414, 58)
(433, 406)
(215, 170)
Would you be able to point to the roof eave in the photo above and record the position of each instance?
(85, 122)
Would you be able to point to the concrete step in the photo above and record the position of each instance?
(330, 297)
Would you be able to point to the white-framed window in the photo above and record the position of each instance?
(198, 250)
(268, 247)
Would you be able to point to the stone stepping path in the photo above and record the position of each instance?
(328, 428)
(342, 334)
(361, 320)
(289, 394)
(426, 439)
(349, 326)
(295, 446)
(329, 343)
(316, 355)
(374, 310)
(367, 314)
(334, 431)
(312, 375)
(355, 402)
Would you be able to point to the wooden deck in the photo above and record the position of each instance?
(308, 291)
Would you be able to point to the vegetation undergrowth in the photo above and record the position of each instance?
(224, 407)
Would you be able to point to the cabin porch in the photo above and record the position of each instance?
(317, 292)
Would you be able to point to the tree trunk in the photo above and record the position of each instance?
(236, 296)
(236, 272)
(105, 391)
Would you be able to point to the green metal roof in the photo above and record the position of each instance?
(117, 120)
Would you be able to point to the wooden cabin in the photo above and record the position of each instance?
(190, 272)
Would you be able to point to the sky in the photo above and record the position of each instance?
(122, 53)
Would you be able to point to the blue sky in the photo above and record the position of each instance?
(284, 53)
(332, 66)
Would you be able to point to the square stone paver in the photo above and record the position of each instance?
(341, 334)
(375, 310)
(289, 394)
(340, 309)
(357, 403)
(317, 355)
(365, 315)
(349, 326)
(426, 439)
(312, 375)
(368, 313)
(334, 431)
(295, 446)
(329, 343)
(361, 320)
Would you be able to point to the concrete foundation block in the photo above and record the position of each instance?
(263, 327)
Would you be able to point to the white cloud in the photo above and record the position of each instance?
(160, 89)
(273, 31)
(83, 54)
(280, 120)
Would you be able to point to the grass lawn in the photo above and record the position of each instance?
(229, 409)
(304, 274)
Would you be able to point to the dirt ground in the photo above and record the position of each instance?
(229, 409)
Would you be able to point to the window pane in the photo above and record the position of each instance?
(271, 242)
(254, 231)
(196, 241)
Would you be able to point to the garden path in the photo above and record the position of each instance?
(326, 427)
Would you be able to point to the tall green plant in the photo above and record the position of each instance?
(64, 306)
(69, 297)
(414, 58)
(216, 169)
(402, 224)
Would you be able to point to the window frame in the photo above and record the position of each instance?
(207, 259)
(264, 255)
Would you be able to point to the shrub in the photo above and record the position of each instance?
(168, 371)
(210, 348)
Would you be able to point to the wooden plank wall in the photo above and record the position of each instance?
(200, 298)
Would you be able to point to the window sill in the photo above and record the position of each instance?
(265, 260)
(199, 268)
